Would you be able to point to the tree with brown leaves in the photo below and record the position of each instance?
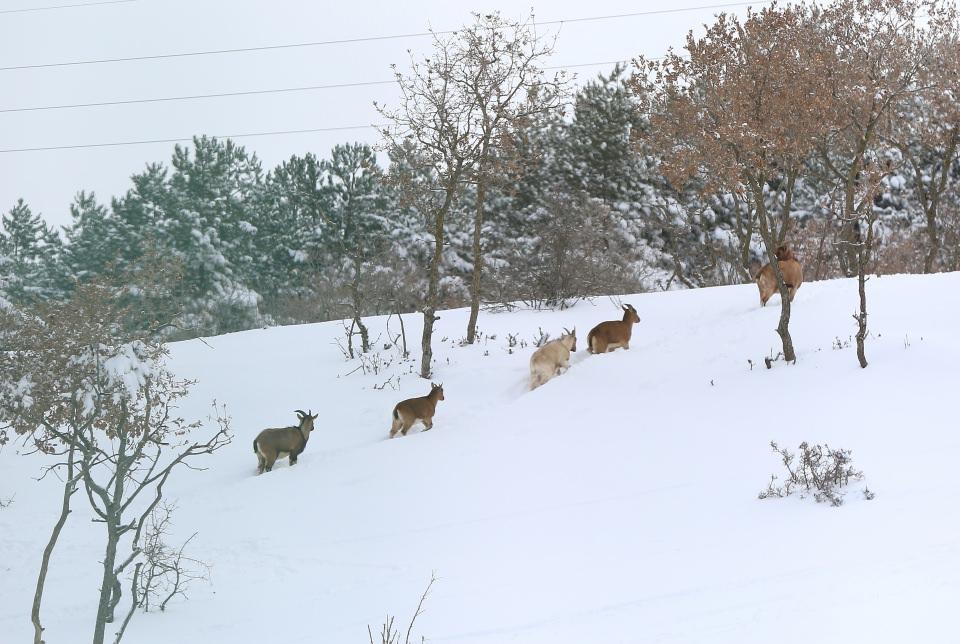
(742, 113)
(886, 60)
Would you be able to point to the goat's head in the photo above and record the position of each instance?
(569, 339)
(306, 421)
(436, 391)
(784, 253)
(630, 314)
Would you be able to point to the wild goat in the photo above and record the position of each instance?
(409, 411)
(608, 336)
(792, 275)
(552, 359)
(277, 442)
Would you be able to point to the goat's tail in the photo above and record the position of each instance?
(254, 445)
(396, 414)
(590, 342)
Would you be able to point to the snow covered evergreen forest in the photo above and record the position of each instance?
(579, 207)
(685, 487)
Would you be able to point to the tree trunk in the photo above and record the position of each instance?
(364, 333)
(934, 247)
(110, 590)
(69, 487)
(933, 209)
(770, 244)
(861, 318)
(108, 584)
(783, 328)
(433, 281)
(477, 260)
(863, 257)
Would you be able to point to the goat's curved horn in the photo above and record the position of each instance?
(300, 412)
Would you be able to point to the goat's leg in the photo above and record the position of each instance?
(395, 427)
(406, 427)
(271, 458)
(427, 424)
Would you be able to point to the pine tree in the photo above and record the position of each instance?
(352, 239)
(92, 241)
(31, 253)
(289, 233)
(210, 222)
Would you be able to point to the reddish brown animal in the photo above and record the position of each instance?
(277, 442)
(791, 270)
(422, 409)
(614, 334)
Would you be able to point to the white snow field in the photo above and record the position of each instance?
(617, 503)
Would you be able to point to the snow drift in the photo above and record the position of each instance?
(617, 503)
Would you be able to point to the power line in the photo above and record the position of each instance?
(66, 6)
(115, 144)
(653, 12)
(191, 97)
(342, 41)
(254, 92)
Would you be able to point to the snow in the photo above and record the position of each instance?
(617, 503)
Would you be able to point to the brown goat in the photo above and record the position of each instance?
(277, 442)
(791, 270)
(552, 359)
(409, 411)
(611, 335)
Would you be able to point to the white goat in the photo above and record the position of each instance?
(552, 359)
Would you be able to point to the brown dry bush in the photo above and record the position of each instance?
(817, 470)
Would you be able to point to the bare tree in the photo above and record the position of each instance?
(458, 107)
(927, 133)
(864, 216)
(79, 382)
(71, 478)
(499, 69)
(885, 54)
(432, 136)
(741, 113)
(167, 571)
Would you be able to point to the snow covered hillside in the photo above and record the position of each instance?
(617, 503)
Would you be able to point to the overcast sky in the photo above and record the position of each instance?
(48, 180)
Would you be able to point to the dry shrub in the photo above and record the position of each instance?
(389, 634)
(816, 470)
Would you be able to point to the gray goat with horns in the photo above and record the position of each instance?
(277, 442)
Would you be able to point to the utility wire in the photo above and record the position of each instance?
(66, 6)
(254, 92)
(342, 41)
(192, 97)
(653, 12)
(116, 144)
